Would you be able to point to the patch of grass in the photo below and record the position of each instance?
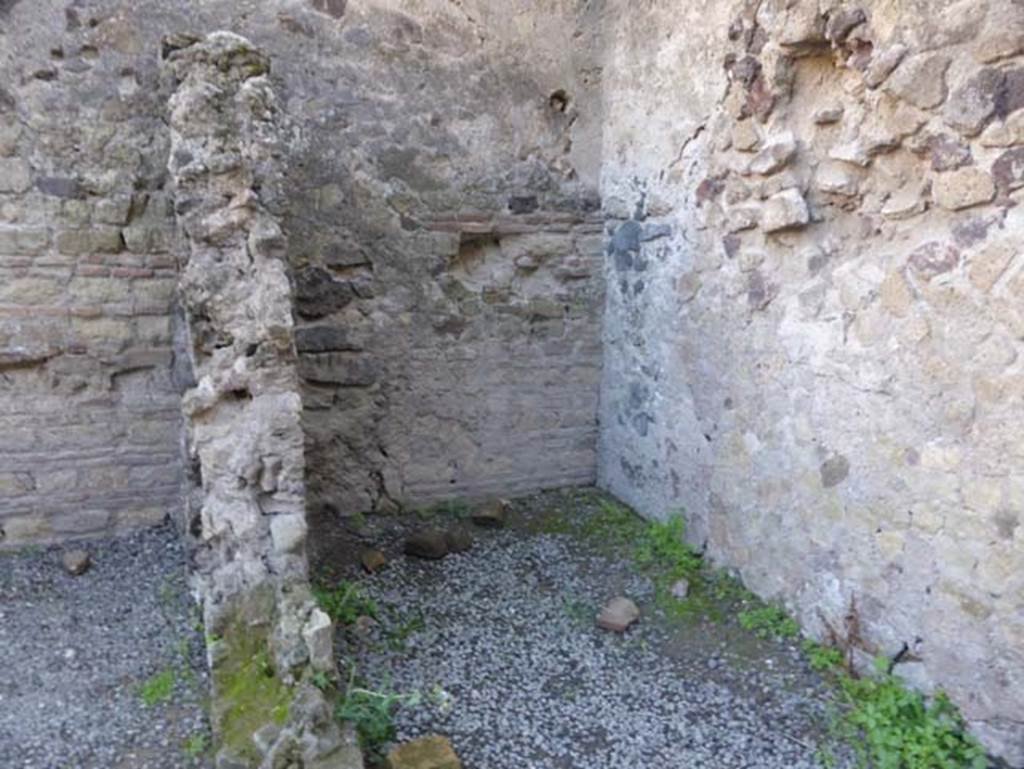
(891, 727)
(372, 713)
(158, 687)
(345, 602)
(195, 746)
(450, 508)
(663, 546)
(399, 631)
(613, 526)
(551, 522)
(822, 658)
(769, 622)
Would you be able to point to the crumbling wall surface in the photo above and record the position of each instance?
(243, 416)
(443, 241)
(815, 319)
(449, 269)
(89, 405)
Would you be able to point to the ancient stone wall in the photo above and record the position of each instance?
(443, 241)
(267, 637)
(814, 331)
(89, 408)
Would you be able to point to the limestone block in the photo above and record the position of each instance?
(745, 136)
(837, 179)
(288, 532)
(905, 203)
(15, 175)
(776, 155)
(318, 635)
(23, 241)
(786, 210)
(974, 103)
(989, 263)
(883, 63)
(964, 188)
(921, 80)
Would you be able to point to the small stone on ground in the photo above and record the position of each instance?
(491, 514)
(618, 615)
(427, 543)
(373, 560)
(433, 752)
(76, 562)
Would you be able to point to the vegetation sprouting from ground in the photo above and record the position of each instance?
(884, 723)
(344, 602)
(887, 725)
(372, 713)
(158, 688)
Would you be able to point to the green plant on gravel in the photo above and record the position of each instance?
(158, 687)
(345, 602)
(891, 727)
(822, 658)
(195, 746)
(372, 713)
(769, 622)
(613, 526)
(321, 681)
(400, 628)
(663, 546)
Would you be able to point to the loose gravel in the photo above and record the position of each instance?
(75, 653)
(501, 644)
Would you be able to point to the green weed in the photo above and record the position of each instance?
(195, 746)
(769, 622)
(822, 658)
(158, 687)
(663, 547)
(372, 713)
(891, 727)
(345, 602)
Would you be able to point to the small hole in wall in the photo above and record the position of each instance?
(559, 101)
(251, 350)
(241, 394)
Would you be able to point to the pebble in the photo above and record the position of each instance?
(76, 562)
(618, 614)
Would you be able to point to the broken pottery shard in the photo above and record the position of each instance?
(618, 615)
(427, 543)
(373, 560)
(433, 752)
(76, 562)
(491, 514)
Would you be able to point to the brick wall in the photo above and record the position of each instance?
(89, 415)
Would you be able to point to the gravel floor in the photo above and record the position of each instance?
(75, 652)
(504, 650)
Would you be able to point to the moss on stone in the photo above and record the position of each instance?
(248, 693)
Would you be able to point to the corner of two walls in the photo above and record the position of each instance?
(447, 258)
(813, 336)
